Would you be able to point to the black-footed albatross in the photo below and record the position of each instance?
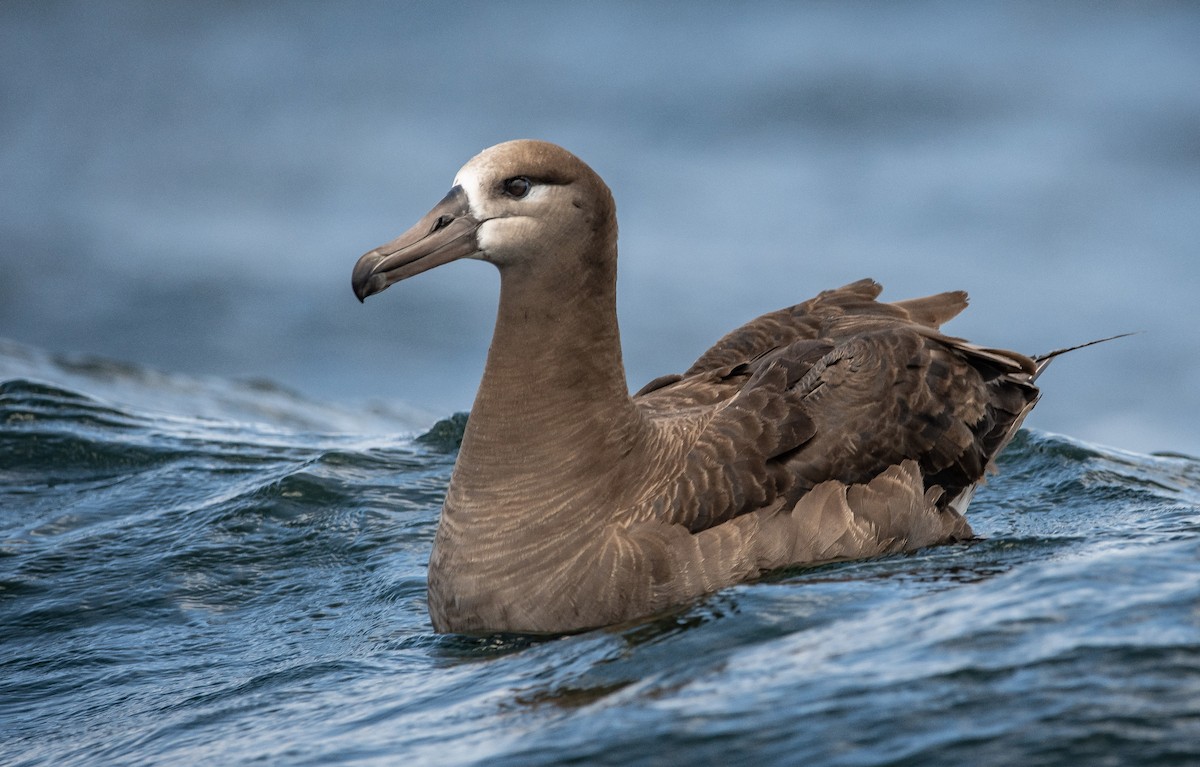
(838, 428)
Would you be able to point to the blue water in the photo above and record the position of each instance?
(248, 587)
(215, 504)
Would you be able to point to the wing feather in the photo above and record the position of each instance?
(841, 387)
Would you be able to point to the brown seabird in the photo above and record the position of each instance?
(838, 428)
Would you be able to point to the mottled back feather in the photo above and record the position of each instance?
(840, 387)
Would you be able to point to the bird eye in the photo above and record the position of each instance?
(517, 187)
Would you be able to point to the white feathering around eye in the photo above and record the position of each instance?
(506, 223)
(468, 179)
(536, 190)
(485, 238)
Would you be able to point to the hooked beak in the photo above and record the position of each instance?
(445, 234)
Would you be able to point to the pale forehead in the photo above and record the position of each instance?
(472, 183)
(481, 171)
(468, 178)
(539, 160)
(487, 166)
(494, 164)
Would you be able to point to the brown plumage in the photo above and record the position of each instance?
(838, 428)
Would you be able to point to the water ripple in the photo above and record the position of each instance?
(179, 590)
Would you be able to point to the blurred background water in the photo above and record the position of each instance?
(188, 185)
(215, 511)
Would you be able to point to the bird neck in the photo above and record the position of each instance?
(553, 400)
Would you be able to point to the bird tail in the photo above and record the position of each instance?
(1042, 361)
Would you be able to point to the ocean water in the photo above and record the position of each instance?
(216, 502)
(247, 586)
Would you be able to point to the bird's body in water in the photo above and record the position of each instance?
(841, 427)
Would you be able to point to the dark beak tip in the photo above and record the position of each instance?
(364, 288)
(363, 280)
